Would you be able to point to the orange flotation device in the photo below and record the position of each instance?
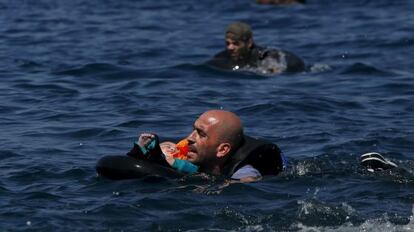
(182, 148)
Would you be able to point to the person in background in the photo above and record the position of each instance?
(242, 53)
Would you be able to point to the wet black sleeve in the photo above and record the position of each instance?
(155, 155)
(294, 62)
(221, 60)
(136, 152)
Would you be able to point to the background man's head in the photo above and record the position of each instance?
(239, 40)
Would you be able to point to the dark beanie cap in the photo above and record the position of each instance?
(239, 31)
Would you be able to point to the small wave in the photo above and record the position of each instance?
(27, 64)
(364, 69)
(75, 173)
(83, 133)
(41, 196)
(7, 109)
(110, 72)
(261, 108)
(55, 89)
(380, 224)
(7, 154)
(313, 212)
(319, 68)
(68, 132)
(29, 175)
(91, 69)
(399, 88)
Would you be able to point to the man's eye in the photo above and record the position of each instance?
(201, 134)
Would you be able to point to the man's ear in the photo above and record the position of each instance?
(250, 43)
(223, 149)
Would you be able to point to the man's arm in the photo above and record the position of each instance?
(221, 60)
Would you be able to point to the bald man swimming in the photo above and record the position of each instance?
(218, 146)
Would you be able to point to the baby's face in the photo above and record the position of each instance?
(168, 148)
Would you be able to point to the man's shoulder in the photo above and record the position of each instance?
(293, 62)
(221, 60)
(221, 54)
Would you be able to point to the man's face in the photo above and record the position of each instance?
(237, 49)
(203, 141)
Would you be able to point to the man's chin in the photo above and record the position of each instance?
(233, 56)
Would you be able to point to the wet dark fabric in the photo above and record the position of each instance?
(155, 155)
(264, 156)
(257, 54)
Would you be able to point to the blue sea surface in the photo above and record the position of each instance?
(82, 79)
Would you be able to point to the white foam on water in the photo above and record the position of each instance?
(268, 66)
(381, 224)
(317, 68)
(271, 65)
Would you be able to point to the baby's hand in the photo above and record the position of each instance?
(145, 139)
(169, 158)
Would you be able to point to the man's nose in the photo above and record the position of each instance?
(230, 47)
(190, 137)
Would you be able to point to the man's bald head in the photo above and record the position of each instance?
(215, 136)
(228, 125)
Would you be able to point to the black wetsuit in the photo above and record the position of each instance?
(285, 61)
(264, 156)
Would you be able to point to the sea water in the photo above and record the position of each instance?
(82, 79)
